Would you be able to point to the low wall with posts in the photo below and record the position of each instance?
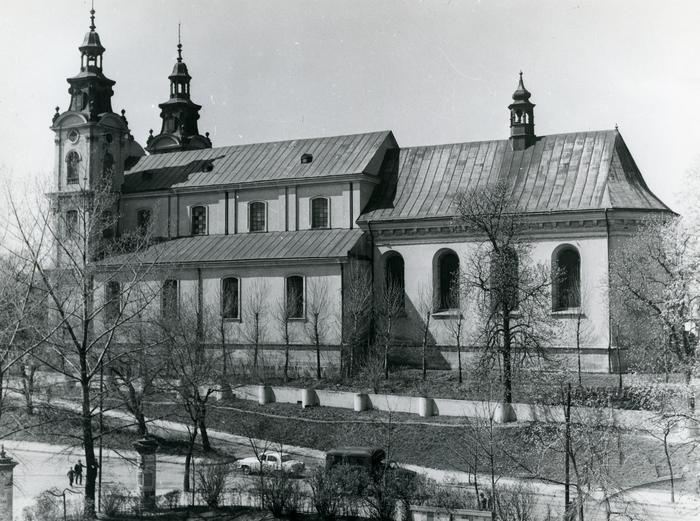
(426, 406)
(428, 513)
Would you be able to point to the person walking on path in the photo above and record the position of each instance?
(71, 474)
(78, 469)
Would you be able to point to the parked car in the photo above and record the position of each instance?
(271, 462)
(369, 458)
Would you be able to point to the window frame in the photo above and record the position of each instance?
(302, 316)
(76, 179)
(238, 290)
(250, 221)
(328, 212)
(206, 219)
(556, 282)
(387, 257)
(438, 258)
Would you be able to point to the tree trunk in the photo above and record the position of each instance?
(28, 387)
(188, 461)
(317, 341)
(669, 463)
(459, 360)
(567, 452)
(286, 350)
(206, 446)
(426, 330)
(507, 370)
(88, 442)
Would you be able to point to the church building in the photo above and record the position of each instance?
(239, 229)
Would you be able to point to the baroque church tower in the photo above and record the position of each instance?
(179, 130)
(93, 144)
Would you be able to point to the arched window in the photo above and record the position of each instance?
(256, 217)
(446, 280)
(566, 273)
(199, 220)
(394, 274)
(295, 296)
(504, 279)
(319, 213)
(72, 161)
(230, 298)
(169, 300)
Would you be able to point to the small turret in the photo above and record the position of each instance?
(522, 118)
(179, 114)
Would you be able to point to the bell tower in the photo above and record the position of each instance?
(522, 118)
(92, 143)
(179, 130)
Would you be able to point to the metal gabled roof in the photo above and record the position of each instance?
(333, 244)
(561, 172)
(332, 156)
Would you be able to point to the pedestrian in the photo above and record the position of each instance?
(482, 501)
(78, 469)
(70, 477)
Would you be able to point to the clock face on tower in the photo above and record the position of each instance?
(73, 136)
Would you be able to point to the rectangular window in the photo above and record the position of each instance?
(229, 298)
(295, 296)
(169, 300)
(199, 220)
(256, 217)
(319, 212)
(112, 301)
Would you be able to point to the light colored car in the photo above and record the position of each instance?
(271, 461)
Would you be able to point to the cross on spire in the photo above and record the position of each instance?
(179, 44)
(92, 16)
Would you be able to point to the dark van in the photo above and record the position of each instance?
(370, 458)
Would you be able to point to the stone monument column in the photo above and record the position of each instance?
(7, 466)
(146, 448)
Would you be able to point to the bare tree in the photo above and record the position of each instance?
(194, 370)
(255, 318)
(357, 314)
(65, 245)
(285, 311)
(655, 293)
(390, 306)
(515, 292)
(425, 308)
(456, 324)
(317, 310)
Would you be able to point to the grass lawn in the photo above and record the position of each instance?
(522, 450)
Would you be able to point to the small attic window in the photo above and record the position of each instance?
(208, 166)
(306, 158)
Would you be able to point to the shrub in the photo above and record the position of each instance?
(169, 500)
(281, 494)
(114, 499)
(212, 481)
(516, 503)
(329, 491)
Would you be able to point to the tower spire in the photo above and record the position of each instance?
(92, 17)
(179, 45)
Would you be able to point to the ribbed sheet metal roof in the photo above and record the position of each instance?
(332, 156)
(297, 245)
(562, 172)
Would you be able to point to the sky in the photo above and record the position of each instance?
(433, 71)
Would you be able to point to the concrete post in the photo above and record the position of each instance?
(146, 448)
(7, 466)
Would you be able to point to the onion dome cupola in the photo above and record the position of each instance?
(179, 130)
(91, 91)
(522, 118)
